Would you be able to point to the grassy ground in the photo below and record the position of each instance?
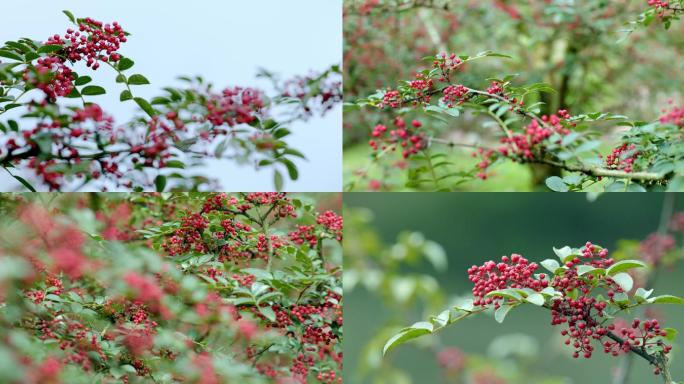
(506, 176)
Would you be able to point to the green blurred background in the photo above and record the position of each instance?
(474, 228)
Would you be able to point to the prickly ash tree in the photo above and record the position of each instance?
(645, 157)
(201, 288)
(585, 291)
(82, 147)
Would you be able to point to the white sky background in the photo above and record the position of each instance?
(225, 41)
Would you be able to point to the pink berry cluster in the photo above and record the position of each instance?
(641, 334)
(51, 76)
(511, 272)
(318, 95)
(234, 106)
(455, 95)
(85, 125)
(581, 314)
(329, 221)
(673, 116)
(487, 157)
(408, 138)
(93, 42)
(623, 157)
(531, 142)
(655, 246)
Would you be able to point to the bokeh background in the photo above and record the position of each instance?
(226, 42)
(473, 228)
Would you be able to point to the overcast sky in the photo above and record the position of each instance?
(224, 41)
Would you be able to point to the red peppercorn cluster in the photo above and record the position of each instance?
(655, 246)
(457, 94)
(495, 88)
(623, 158)
(486, 156)
(531, 142)
(641, 334)
(391, 98)
(446, 62)
(234, 106)
(317, 94)
(93, 42)
(408, 138)
(332, 222)
(581, 314)
(673, 116)
(51, 76)
(512, 272)
(70, 146)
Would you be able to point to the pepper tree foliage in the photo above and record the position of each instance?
(585, 291)
(197, 288)
(72, 148)
(524, 117)
(383, 270)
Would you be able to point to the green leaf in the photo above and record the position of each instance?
(501, 312)
(125, 63)
(666, 299)
(50, 48)
(125, 95)
(83, 80)
(416, 330)
(551, 265)
(10, 55)
(24, 183)
(624, 281)
(641, 294)
(507, 293)
(145, 106)
(536, 299)
(268, 313)
(70, 16)
(291, 168)
(137, 79)
(671, 334)
(563, 253)
(93, 90)
(584, 269)
(160, 183)
(278, 180)
(625, 265)
(557, 184)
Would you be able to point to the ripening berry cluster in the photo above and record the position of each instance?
(93, 42)
(409, 139)
(234, 106)
(623, 157)
(51, 76)
(531, 142)
(581, 315)
(511, 272)
(673, 116)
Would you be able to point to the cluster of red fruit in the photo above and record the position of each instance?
(531, 142)
(405, 137)
(234, 106)
(623, 157)
(320, 98)
(511, 272)
(93, 42)
(582, 314)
